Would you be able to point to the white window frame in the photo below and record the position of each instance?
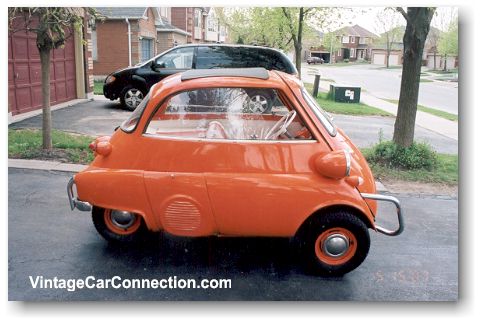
(345, 39)
(353, 52)
(362, 40)
(352, 39)
(93, 38)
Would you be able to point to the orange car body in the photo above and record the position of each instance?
(207, 187)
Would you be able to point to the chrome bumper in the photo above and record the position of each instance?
(74, 202)
(396, 202)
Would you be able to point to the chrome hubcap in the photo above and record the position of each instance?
(133, 97)
(122, 219)
(335, 245)
(258, 103)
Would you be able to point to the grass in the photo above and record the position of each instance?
(446, 171)
(425, 80)
(67, 147)
(432, 111)
(98, 87)
(443, 72)
(344, 108)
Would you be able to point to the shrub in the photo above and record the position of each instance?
(415, 157)
(346, 60)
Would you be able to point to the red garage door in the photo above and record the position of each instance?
(24, 73)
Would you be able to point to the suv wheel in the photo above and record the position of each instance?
(131, 97)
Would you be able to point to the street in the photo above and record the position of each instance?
(386, 83)
(100, 117)
(47, 239)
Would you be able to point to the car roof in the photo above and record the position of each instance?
(256, 73)
(229, 45)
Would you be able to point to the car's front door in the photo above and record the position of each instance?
(257, 177)
(177, 60)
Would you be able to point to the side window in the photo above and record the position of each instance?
(211, 57)
(228, 114)
(181, 58)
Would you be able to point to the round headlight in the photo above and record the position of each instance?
(110, 79)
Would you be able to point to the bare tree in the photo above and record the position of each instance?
(388, 26)
(418, 20)
(53, 27)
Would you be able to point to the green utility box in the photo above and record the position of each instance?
(344, 93)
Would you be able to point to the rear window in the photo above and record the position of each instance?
(211, 57)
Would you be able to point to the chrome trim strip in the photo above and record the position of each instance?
(396, 202)
(348, 163)
(74, 202)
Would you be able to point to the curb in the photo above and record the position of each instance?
(68, 167)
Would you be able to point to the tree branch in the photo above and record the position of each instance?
(403, 12)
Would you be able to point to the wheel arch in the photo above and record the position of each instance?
(331, 209)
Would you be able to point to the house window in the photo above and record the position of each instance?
(362, 40)
(353, 39)
(197, 18)
(211, 24)
(94, 45)
(339, 52)
(345, 39)
(353, 52)
(147, 49)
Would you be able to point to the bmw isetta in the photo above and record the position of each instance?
(202, 155)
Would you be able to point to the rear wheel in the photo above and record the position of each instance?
(118, 226)
(131, 97)
(260, 102)
(334, 244)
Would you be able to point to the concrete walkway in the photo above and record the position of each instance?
(434, 123)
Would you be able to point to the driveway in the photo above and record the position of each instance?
(386, 83)
(100, 117)
(47, 239)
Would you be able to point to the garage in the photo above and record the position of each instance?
(24, 73)
(393, 59)
(379, 59)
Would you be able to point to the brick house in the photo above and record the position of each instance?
(169, 34)
(126, 36)
(71, 70)
(356, 43)
(201, 22)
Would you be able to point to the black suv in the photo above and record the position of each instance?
(132, 84)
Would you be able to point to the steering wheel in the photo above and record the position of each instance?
(281, 126)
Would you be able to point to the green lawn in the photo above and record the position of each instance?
(98, 87)
(443, 72)
(425, 80)
(431, 111)
(67, 147)
(445, 173)
(343, 108)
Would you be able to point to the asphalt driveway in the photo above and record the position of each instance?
(100, 117)
(47, 239)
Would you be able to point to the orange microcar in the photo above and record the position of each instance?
(205, 154)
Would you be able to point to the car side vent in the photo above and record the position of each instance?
(182, 215)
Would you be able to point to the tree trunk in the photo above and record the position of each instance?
(298, 41)
(387, 59)
(434, 61)
(417, 29)
(445, 62)
(46, 114)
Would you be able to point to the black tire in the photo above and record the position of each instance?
(338, 224)
(99, 219)
(259, 97)
(131, 96)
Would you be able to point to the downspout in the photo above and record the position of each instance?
(130, 41)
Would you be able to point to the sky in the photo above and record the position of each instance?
(366, 17)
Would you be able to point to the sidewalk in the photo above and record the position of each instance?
(434, 123)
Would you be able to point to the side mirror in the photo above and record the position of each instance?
(158, 65)
(335, 164)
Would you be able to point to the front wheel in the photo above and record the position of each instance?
(334, 244)
(119, 226)
(131, 97)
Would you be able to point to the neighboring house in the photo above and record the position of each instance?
(168, 35)
(126, 36)
(201, 22)
(379, 54)
(356, 43)
(70, 71)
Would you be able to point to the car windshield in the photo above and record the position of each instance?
(129, 125)
(323, 116)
